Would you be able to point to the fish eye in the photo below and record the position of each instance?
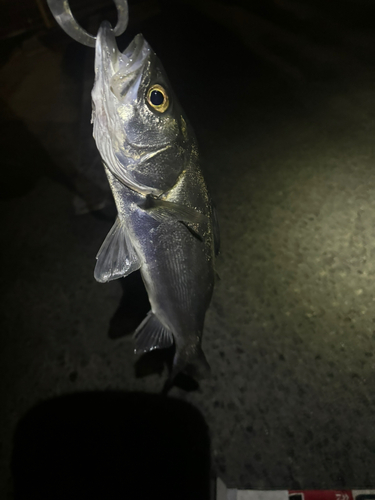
(157, 98)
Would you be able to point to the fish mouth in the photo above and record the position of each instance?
(119, 69)
(118, 76)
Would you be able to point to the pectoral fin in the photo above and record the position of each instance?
(151, 334)
(116, 257)
(192, 231)
(164, 211)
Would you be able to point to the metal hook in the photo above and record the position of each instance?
(63, 15)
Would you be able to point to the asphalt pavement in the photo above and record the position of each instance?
(283, 104)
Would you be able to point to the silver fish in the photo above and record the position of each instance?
(166, 225)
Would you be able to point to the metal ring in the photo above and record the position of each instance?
(63, 15)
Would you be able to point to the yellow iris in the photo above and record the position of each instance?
(153, 94)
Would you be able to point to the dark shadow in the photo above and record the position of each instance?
(132, 309)
(112, 445)
(186, 383)
(154, 362)
(182, 381)
(108, 213)
(24, 159)
(25, 162)
(7, 45)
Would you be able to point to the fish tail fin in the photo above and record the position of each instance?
(193, 363)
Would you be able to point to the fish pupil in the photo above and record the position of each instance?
(156, 98)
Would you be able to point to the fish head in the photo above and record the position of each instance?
(139, 126)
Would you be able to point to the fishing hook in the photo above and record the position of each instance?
(63, 15)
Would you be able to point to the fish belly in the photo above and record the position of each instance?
(176, 266)
(178, 276)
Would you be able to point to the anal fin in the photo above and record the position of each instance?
(116, 257)
(151, 334)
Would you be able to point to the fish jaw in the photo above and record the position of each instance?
(118, 73)
(115, 70)
(145, 149)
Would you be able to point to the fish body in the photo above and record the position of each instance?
(166, 224)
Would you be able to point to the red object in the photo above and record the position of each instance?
(320, 495)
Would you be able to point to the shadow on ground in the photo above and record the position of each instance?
(112, 445)
(132, 309)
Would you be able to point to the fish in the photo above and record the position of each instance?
(166, 223)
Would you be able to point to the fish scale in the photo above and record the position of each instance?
(165, 225)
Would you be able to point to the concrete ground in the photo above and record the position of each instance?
(284, 111)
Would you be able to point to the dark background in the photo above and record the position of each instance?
(281, 96)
